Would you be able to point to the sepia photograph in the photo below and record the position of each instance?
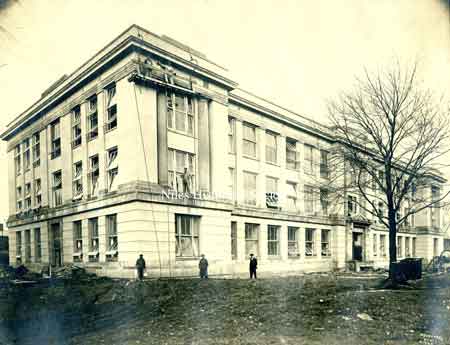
(206, 172)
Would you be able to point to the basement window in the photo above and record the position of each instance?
(77, 241)
(111, 238)
(310, 249)
(187, 235)
(93, 240)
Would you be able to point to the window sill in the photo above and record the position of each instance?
(292, 169)
(273, 257)
(180, 132)
(250, 157)
(294, 257)
(187, 258)
(310, 256)
(272, 163)
(107, 130)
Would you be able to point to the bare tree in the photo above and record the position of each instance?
(392, 136)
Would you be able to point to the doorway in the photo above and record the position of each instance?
(56, 239)
(357, 246)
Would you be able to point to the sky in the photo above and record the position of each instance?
(297, 53)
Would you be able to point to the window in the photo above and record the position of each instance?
(187, 235)
(37, 245)
(292, 155)
(251, 239)
(26, 154)
(181, 171)
(435, 247)
(76, 127)
(112, 168)
(181, 109)
(352, 206)
(92, 118)
(233, 240)
(309, 200)
(93, 175)
(57, 188)
(271, 148)
(27, 246)
(435, 208)
(310, 249)
(17, 159)
(37, 192)
(19, 247)
(324, 172)
(293, 247)
(111, 238)
(407, 247)
(309, 159)
(249, 140)
(93, 239)
(231, 135)
(324, 202)
(414, 247)
(291, 196)
(27, 195)
(55, 137)
(380, 211)
(111, 108)
(231, 189)
(77, 183)
(273, 240)
(249, 188)
(27, 203)
(271, 192)
(19, 199)
(375, 245)
(383, 245)
(399, 247)
(77, 241)
(325, 240)
(36, 149)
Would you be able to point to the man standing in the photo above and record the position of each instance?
(253, 266)
(203, 267)
(140, 265)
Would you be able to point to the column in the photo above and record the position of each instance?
(161, 140)
(284, 242)
(204, 145)
(262, 241)
(241, 241)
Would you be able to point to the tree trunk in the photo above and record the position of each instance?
(392, 242)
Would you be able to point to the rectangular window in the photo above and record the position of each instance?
(375, 245)
(352, 206)
(37, 192)
(37, 245)
(27, 246)
(310, 249)
(92, 118)
(271, 148)
(273, 240)
(325, 239)
(231, 135)
(324, 202)
(309, 159)
(17, 160)
(293, 246)
(93, 175)
(249, 140)
(309, 200)
(414, 254)
(18, 247)
(292, 155)
(383, 245)
(181, 171)
(77, 183)
(76, 127)
(291, 196)
(77, 241)
(27, 203)
(181, 109)
(93, 239)
(19, 199)
(435, 247)
(187, 235)
(111, 108)
(408, 247)
(249, 188)
(112, 168)
(57, 188)
(26, 154)
(435, 208)
(399, 247)
(111, 238)
(55, 137)
(324, 172)
(36, 149)
(251, 239)
(271, 192)
(233, 240)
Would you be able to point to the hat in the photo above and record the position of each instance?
(251, 254)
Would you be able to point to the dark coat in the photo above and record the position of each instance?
(140, 263)
(253, 264)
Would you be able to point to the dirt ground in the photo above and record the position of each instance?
(311, 309)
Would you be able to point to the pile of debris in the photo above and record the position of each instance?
(71, 272)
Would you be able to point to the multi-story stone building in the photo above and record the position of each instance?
(151, 148)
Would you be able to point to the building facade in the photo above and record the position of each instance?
(150, 148)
